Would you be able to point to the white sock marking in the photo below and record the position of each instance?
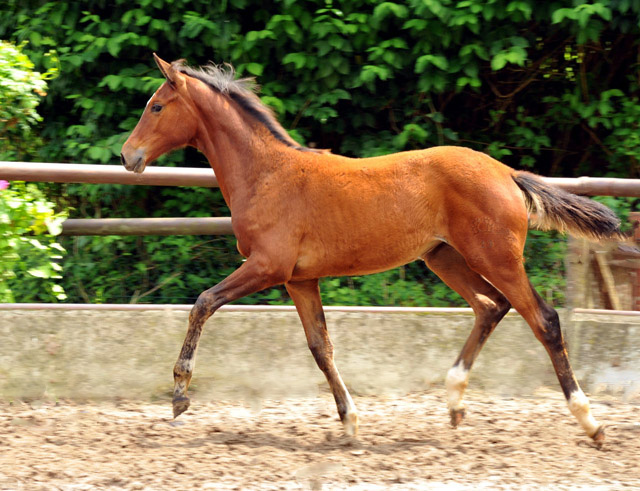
(579, 407)
(456, 383)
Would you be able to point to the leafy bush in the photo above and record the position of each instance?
(30, 257)
(30, 267)
(20, 92)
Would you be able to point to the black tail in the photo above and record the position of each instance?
(552, 208)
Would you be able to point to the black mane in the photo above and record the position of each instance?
(222, 78)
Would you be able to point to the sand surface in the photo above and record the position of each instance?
(404, 443)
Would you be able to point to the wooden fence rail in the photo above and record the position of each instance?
(106, 174)
(203, 177)
(148, 226)
(181, 176)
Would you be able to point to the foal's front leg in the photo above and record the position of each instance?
(306, 296)
(254, 275)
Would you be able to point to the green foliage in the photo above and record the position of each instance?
(20, 91)
(408, 286)
(30, 267)
(545, 253)
(547, 86)
(30, 257)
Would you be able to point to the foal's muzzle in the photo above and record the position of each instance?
(133, 161)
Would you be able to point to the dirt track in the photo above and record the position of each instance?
(404, 443)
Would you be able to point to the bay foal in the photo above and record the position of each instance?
(301, 214)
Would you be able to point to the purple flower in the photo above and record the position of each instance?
(3, 184)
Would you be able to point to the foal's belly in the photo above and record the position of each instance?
(359, 258)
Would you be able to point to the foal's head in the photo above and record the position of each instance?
(174, 114)
(167, 122)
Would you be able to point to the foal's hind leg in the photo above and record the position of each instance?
(306, 296)
(254, 275)
(503, 266)
(489, 306)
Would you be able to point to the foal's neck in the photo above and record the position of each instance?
(240, 149)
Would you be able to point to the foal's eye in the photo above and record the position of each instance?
(156, 108)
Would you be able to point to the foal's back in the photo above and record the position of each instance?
(365, 215)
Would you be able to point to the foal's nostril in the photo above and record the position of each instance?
(123, 160)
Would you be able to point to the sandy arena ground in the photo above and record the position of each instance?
(404, 443)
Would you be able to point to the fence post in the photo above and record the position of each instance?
(634, 218)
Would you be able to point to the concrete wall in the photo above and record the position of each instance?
(250, 356)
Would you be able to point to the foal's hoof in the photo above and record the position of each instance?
(180, 405)
(599, 436)
(457, 415)
(350, 423)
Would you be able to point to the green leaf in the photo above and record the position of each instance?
(113, 46)
(499, 61)
(520, 6)
(298, 59)
(112, 81)
(474, 48)
(371, 72)
(254, 68)
(54, 225)
(564, 13)
(416, 24)
(274, 102)
(252, 36)
(41, 272)
(99, 153)
(438, 61)
(386, 9)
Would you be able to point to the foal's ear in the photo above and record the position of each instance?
(174, 77)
